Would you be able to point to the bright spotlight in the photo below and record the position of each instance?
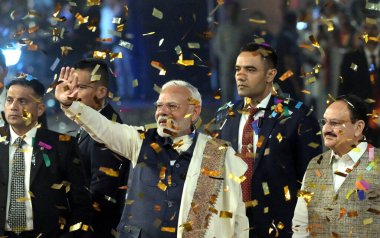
(12, 55)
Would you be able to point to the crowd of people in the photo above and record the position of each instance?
(265, 166)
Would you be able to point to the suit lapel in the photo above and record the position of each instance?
(265, 131)
(4, 151)
(37, 156)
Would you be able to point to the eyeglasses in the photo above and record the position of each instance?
(332, 124)
(172, 106)
(84, 86)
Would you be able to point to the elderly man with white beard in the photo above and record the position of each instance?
(185, 183)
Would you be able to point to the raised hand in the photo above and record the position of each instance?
(66, 91)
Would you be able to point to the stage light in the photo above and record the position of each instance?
(12, 55)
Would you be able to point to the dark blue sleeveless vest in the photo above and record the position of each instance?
(151, 210)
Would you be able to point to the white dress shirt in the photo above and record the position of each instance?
(340, 164)
(244, 118)
(28, 152)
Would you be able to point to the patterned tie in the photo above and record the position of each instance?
(247, 154)
(17, 208)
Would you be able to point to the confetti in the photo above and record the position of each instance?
(99, 55)
(91, 3)
(64, 138)
(65, 50)
(306, 195)
(286, 75)
(314, 42)
(313, 145)
(55, 64)
(279, 137)
(46, 160)
(126, 44)
(103, 39)
(27, 117)
(162, 172)
(44, 145)
(193, 45)
(80, 19)
(168, 229)
(225, 214)
(109, 171)
(310, 80)
(155, 147)
(265, 188)
(210, 173)
(287, 193)
(257, 21)
(318, 173)
(354, 67)
(157, 13)
(368, 221)
(162, 186)
(252, 203)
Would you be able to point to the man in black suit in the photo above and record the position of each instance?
(360, 71)
(278, 146)
(105, 171)
(42, 189)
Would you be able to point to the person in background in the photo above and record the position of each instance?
(42, 192)
(3, 74)
(275, 136)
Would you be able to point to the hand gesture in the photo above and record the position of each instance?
(66, 91)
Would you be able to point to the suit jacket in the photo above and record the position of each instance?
(104, 189)
(50, 205)
(358, 81)
(279, 162)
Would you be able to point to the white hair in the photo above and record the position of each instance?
(193, 90)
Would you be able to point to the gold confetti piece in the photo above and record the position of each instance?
(33, 29)
(109, 171)
(120, 27)
(310, 80)
(162, 186)
(57, 9)
(306, 195)
(178, 144)
(126, 10)
(265, 188)
(149, 33)
(185, 62)
(306, 91)
(193, 45)
(157, 65)
(352, 214)
(286, 75)
(340, 174)
(114, 56)
(279, 137)
(99, 55)
(91, 3)
(218, 94)
(211, 173)
(266, 210)
(287, 193)
(157, 13)
(313, 145)
(162, 172)
(257, 21)
(65, 50)
(155, 147)
(22, 199)
(371, 21)
(318, 173)
(260, 141)
(225, 214)
(189, 115)
(168, 229)
(80, 19)
(27, 117)
(281, 225)
(64, 138)
(368, 221)
(75, 227)
(252, 203)
(135, 83)
(188, 226)
(213, 210)
(314, 42)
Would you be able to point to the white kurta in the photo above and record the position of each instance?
(126, 141)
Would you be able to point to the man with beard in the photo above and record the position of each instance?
(341, 187)
(184, 183)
